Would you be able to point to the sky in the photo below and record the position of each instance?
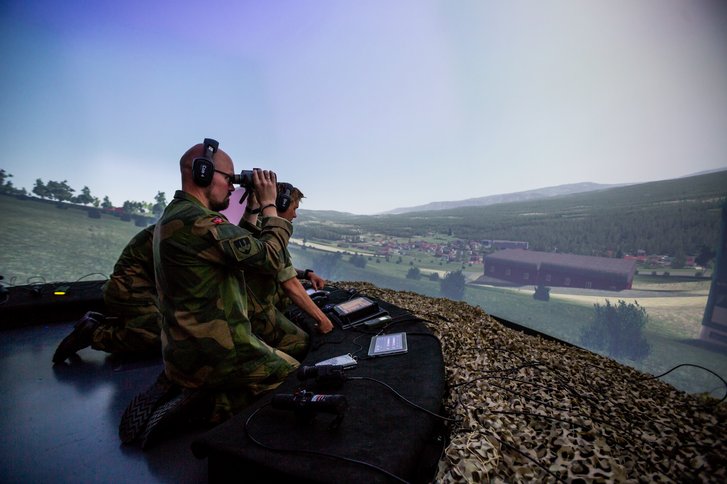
(366, 106)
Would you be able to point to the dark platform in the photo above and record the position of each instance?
(389, 439)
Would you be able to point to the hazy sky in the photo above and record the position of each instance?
(365, 105)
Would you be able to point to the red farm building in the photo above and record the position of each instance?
(560, 270)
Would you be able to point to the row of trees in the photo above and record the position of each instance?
(63, 192)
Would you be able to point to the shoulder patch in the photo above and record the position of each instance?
(218, 220)
(243, 245)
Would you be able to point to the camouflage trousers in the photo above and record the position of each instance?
(129, 329)
(232, 400)
(286, 341)
(279, 332)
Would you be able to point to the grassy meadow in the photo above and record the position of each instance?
(40, 242)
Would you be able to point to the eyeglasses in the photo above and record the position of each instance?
(227, 176)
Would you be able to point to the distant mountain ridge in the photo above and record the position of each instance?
(527, 195)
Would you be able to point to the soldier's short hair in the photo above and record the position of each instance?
(295, 193)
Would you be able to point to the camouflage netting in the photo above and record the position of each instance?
(529, 409)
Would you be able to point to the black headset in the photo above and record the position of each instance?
(285, 197)
(203, 168)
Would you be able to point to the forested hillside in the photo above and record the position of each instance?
(665, 217)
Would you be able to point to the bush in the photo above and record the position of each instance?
(434, 276)
(452, 286)
(618, 329)
(542, 293)
(414, 273)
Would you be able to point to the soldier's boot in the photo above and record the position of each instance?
(81, 336)
(188, 408)
(142, 407)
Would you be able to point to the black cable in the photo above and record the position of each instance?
(531, 414)
(541, 402)
(695, 366)
(27, 281)
(507, 370)
(528, 457)
(360, 347)
(105, 277)
(429, 335)
(313, 452)
(403, 398)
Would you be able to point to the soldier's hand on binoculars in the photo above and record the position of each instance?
(265, 184)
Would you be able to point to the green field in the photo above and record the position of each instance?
(40, 242)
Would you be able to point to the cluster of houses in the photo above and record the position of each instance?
(465, 251)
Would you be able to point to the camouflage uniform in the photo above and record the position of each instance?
(133, 323)
(201, 262)
(268, 301)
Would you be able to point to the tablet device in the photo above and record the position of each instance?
(388, 344)
(355, 311)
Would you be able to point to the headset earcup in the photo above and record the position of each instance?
(282, 203)
(202, 171)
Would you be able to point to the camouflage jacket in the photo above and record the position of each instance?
(132, 282)
(267, 291)
(200, 262)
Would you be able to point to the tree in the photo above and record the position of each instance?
(131, 207)
(618, 329)
(84, 197)
(106, 203)
(41, 189)
(161, 204)
(414, 273)
(434, 276)
(6, 186)
(705, 255)
(60, 191)
(678, 261)
(452, 285)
